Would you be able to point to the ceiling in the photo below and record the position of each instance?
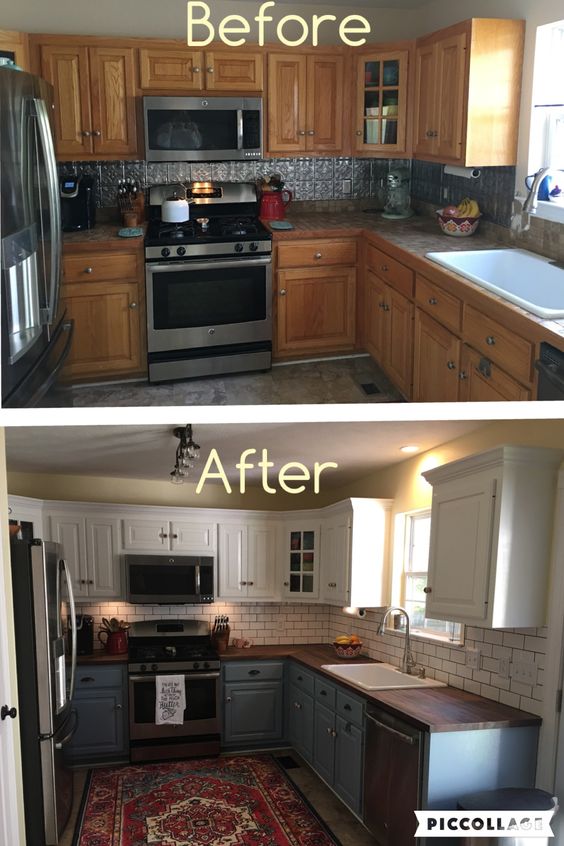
(147, 452)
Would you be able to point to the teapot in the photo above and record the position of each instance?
(176, 209)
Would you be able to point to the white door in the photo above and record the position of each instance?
(11, 799)
(232, 562)
(462, 518)
(261, 562)
(335, 559)
(198, 538)
(104, 577)
(146, 535)
(70, 532)
(300, 560)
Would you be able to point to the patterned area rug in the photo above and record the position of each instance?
(231, 801)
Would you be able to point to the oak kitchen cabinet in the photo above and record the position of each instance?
(91, 549)
(491, 516)
(15, 46)
(247, 561)
(305, 103)
(467, 98)
(316, 302)
(381, 108)
(95, 88)
(187, 71)
(103, 292)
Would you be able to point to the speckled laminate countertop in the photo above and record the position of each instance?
(104, 235)
(435, 709)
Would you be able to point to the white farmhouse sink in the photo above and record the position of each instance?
(377, 676)
(530, 281)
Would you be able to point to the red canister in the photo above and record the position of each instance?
(115, 643)
(273, 204)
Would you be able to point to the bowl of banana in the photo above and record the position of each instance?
(460, 221)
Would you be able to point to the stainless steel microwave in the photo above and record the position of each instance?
(174, 580)
(202, 129)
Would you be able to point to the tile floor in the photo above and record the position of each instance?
(338, 818)
(323, 381)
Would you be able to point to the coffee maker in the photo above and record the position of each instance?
(85, 634)
(78, 202)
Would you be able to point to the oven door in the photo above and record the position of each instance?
(200, 717)
(191, 305)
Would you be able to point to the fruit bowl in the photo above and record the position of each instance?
(458, 227)
(350, 650)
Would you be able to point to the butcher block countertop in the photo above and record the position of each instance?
(435, 709)
(103, 236)
(101, 657)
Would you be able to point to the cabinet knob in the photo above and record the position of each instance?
(209, 70)
(435, 133)
(323, 693)
(359, 132)
(96, 133)
(490, 341)
(311, 132)
(347, 707)
(90, 581)
(88, 270)
(250, 583)
(119, 707)
(462, 375)
(163, 536)
(298, 706)
(300, 678)
(286, 584)
(242, 584)
(254, 672)
(282, 292)
(228, 699)
(429, 133)
(427, 590)
(333, 733)
(196, 70)
(329, 730)
(386, 307)
(301, 132)
(132, 305)
(317, 256)
(175, 537)
(384, 267)
(451, 365)
(432, 301)
(86, 133)
(8, 712)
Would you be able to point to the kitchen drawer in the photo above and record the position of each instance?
(350, 708)
(89, 676)
(391, 271)
(316, 253)
(443, 306)
(499, 344)
(253, 671)
(301, 679)
(325, 692)
(99, 267)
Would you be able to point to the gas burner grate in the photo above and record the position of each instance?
(176, 230)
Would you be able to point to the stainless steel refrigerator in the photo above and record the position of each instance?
(36, 338)
(45, 629)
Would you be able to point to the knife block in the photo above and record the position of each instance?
(220, 640)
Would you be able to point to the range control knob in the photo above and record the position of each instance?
(253, 248)
(206, 665)
(238, 248)
(154, 667)
(181, 251)
(196, 665)
(165, 252)
(143, 667)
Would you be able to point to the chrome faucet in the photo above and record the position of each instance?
(408, 662)
(530, 204)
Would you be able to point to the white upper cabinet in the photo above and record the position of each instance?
(354, 552)
(91, 550)
(247, 561)
(491, 536)
(300, 558)
(166, 536)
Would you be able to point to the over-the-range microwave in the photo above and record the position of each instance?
(202, 129)
(169, 579)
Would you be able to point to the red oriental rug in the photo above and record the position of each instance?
(232, 801)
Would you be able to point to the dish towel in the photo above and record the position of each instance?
(170, 700)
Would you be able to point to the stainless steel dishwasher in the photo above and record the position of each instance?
(392, 778)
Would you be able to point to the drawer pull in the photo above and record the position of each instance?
(323, 693)
(254, 672)
(427, 590)
(451, 365)
(433, 301)
(317, 256)
(88, 270)
(490, 341)
(87, 679)
(347, 707)
(298, 706)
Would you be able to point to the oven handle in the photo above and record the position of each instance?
(196, 676)
(239, 129)
(172, 267)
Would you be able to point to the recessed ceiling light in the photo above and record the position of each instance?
(409, 448)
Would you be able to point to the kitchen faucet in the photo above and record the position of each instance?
(530, 204)
(408, 662)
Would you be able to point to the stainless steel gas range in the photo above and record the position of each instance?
(173, 647)
(209, 284)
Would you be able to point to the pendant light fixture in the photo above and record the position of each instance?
(186, 453)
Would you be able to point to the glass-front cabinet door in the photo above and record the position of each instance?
(301, 557)
(382, 103)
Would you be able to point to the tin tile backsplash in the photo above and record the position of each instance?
(341, 178)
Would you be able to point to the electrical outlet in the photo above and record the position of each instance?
(503, 670)
(473, 658)
(524, 672)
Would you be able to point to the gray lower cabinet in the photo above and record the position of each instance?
(100, 701)
(253, 693)
(347, 780)
(300, 722)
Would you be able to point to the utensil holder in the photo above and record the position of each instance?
(129, 218)
(220, 640)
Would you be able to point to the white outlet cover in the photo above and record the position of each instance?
(473, 658)
(524, 672)
(504, 666)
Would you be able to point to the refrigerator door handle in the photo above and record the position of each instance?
(64, 567)
(70, 734)
(54, 208)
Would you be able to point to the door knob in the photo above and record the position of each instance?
(8, 712)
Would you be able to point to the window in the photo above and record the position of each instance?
(410, 563)
(547, 124)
